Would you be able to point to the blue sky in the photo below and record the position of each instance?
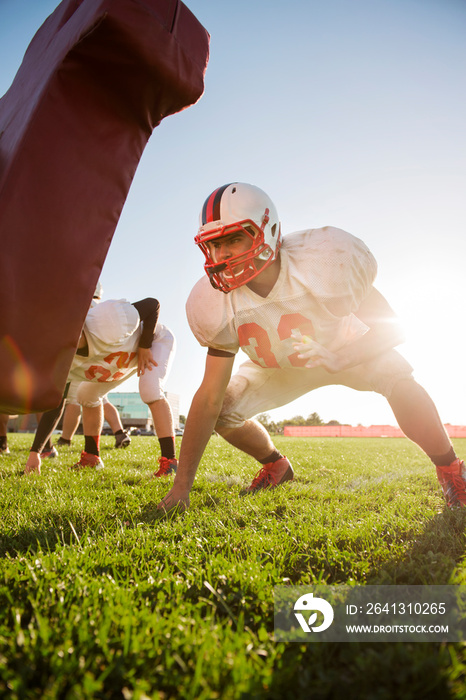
(348, 113)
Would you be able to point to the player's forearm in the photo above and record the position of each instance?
(200, 425)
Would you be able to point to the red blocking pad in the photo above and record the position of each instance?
(96, 79)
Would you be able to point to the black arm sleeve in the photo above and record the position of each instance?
(47, 424)
(148, 310)
(219, 353)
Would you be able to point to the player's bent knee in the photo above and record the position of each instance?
(389, 384)
(227, 423)
(151, 386)
(151, 395)
(230, 415)
(405, 385)
(387, 371)
(91, 404)
(88, 395)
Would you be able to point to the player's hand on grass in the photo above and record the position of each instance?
(316, 355)
(174, 502)
(145, 360)
(33, 463)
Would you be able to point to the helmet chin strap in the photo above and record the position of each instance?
(218, 268)
(213, 271)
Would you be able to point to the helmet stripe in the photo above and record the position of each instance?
(211, 208)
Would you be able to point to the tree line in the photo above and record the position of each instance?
(277, 426)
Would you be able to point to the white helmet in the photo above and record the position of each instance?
(239, 207)
(99, 291)
(112, 321)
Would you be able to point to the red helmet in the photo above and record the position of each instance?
(245, 208)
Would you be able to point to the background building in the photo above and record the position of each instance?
(134, 413)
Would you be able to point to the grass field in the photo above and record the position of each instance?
(98, 599)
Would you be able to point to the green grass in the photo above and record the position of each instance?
(99, 599)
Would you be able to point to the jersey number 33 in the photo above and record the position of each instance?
(258, 345)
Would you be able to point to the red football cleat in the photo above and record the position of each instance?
(166, 467)
(453, 482)
(88, 460)
(271, 475)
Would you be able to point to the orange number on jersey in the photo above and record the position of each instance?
(122, 358)
(263, 348)
(295, 322)
(94, 370)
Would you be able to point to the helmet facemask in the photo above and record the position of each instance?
(237, 270)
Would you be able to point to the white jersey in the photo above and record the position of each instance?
(324, 276)
(112, 329)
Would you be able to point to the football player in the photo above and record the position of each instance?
(72, 412)
(118, 340)
(305, 311)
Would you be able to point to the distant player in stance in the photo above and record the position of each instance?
(72, 412)
(118, 340)
(304, 309)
